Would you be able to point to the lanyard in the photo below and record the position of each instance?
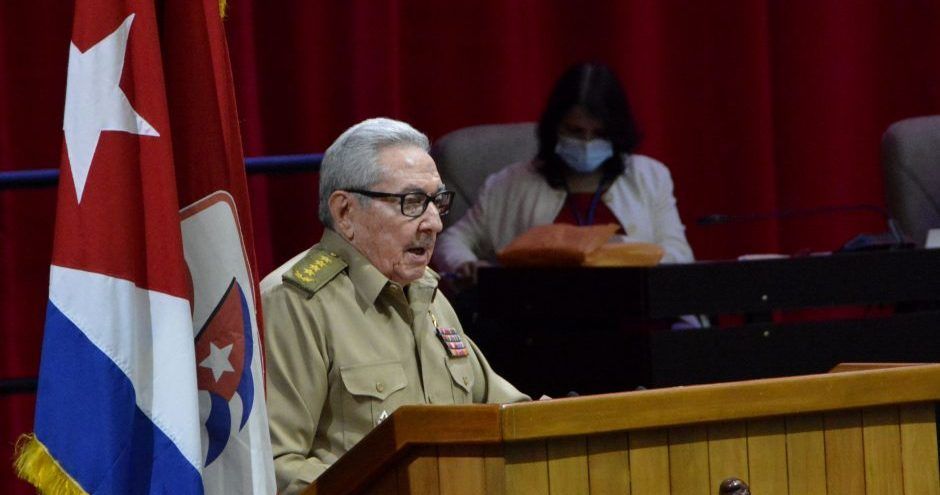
(592, 208)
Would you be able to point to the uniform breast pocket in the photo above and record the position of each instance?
(461, 374)
(373, 391)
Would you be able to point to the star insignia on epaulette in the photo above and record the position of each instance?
(315, 270)
(309, 272)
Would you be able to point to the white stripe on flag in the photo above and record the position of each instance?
(149, 336)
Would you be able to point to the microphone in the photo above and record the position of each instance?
(894, 238)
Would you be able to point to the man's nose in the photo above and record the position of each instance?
(431, 219)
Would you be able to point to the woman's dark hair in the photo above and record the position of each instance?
(596, 88)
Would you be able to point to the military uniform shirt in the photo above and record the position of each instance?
(345, 347)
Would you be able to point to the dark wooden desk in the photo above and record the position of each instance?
(592, 330)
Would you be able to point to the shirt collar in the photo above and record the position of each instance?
(366, 278)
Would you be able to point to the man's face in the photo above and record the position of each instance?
(399, 246)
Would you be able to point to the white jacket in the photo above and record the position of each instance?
(517, 198)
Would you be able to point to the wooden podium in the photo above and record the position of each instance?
(856, 432)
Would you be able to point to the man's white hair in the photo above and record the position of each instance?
(351, 162)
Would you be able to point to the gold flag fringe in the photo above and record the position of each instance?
(222, 8)
(36, 465)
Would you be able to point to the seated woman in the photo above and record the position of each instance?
(584, 173)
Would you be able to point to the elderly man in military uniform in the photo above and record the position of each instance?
(355, 327)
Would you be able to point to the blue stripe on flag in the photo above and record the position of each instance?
(87, 417)
(246, 389)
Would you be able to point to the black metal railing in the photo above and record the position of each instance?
(278, 164)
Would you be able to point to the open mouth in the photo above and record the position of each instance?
(418, 251)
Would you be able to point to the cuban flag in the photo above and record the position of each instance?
(151, 374)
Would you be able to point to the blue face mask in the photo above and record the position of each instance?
(583, 156)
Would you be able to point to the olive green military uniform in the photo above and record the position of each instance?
(345, 347)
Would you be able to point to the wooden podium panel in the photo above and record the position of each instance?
(857, 432)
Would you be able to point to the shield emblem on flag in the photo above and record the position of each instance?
(228, 354)
(223, 351)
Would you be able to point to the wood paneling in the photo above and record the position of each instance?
(494, 463)
(461, 469)
(609, 464)
(688, 460)
(526, 468)
(845, 453)
(409, 427)
(919, 445)
(806, 455)
(385, 485)
(767, 456)
(649, 461)
(680, 406)
(881, 435)
(568, 466)
(827, 434)
(727, 453)
(418, 474)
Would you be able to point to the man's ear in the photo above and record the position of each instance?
(342, 206)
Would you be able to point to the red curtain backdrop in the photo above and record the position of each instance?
(754, 105)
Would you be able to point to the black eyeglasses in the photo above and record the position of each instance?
(413, 204)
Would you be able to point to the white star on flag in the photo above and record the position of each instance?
(94, 101)
(218, 360)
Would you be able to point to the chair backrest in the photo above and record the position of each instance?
(910, 152)
(465, 158)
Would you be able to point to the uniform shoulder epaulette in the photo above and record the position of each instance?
(315, 270)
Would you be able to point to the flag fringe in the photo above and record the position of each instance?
(36, 465)
(222, 7)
